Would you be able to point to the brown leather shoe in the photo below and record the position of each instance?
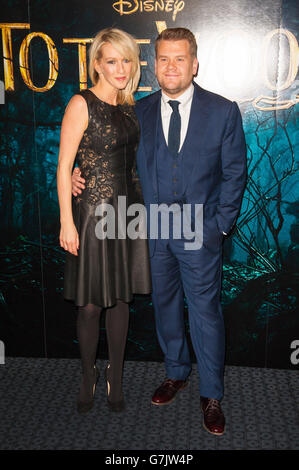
(213, 421)
(166, 393)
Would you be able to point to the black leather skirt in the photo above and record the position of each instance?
(108, 269)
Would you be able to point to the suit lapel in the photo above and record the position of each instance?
(150, 124)
(194, 136)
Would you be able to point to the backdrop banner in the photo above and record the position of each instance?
(247, 52)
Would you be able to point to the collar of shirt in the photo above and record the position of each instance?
(185, 100)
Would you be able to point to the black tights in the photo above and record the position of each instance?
(88, 325)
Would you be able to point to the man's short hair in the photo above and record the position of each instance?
(177, 34)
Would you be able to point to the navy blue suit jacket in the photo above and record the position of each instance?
(214, 157)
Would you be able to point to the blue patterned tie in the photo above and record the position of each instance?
(174, 132)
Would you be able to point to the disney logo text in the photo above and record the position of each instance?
(124, 7)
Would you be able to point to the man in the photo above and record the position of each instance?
(192, 151)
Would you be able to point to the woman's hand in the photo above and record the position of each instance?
(69, 239)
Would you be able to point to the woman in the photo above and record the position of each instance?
(100, 132)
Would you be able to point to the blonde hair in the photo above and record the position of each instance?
(126, 45)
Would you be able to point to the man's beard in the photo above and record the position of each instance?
(172, 91)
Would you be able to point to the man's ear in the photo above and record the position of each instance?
(195, 66)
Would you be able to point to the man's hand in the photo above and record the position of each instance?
(77, 182)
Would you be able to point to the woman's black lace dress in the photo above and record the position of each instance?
(111, 268)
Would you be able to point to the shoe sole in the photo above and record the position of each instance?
(172, 400)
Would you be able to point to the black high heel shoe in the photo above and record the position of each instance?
(85, 406)
(116, 406)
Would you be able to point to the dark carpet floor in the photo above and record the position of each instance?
(38, 410)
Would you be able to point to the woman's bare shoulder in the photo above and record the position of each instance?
(77, 103)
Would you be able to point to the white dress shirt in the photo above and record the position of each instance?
(185, 100)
